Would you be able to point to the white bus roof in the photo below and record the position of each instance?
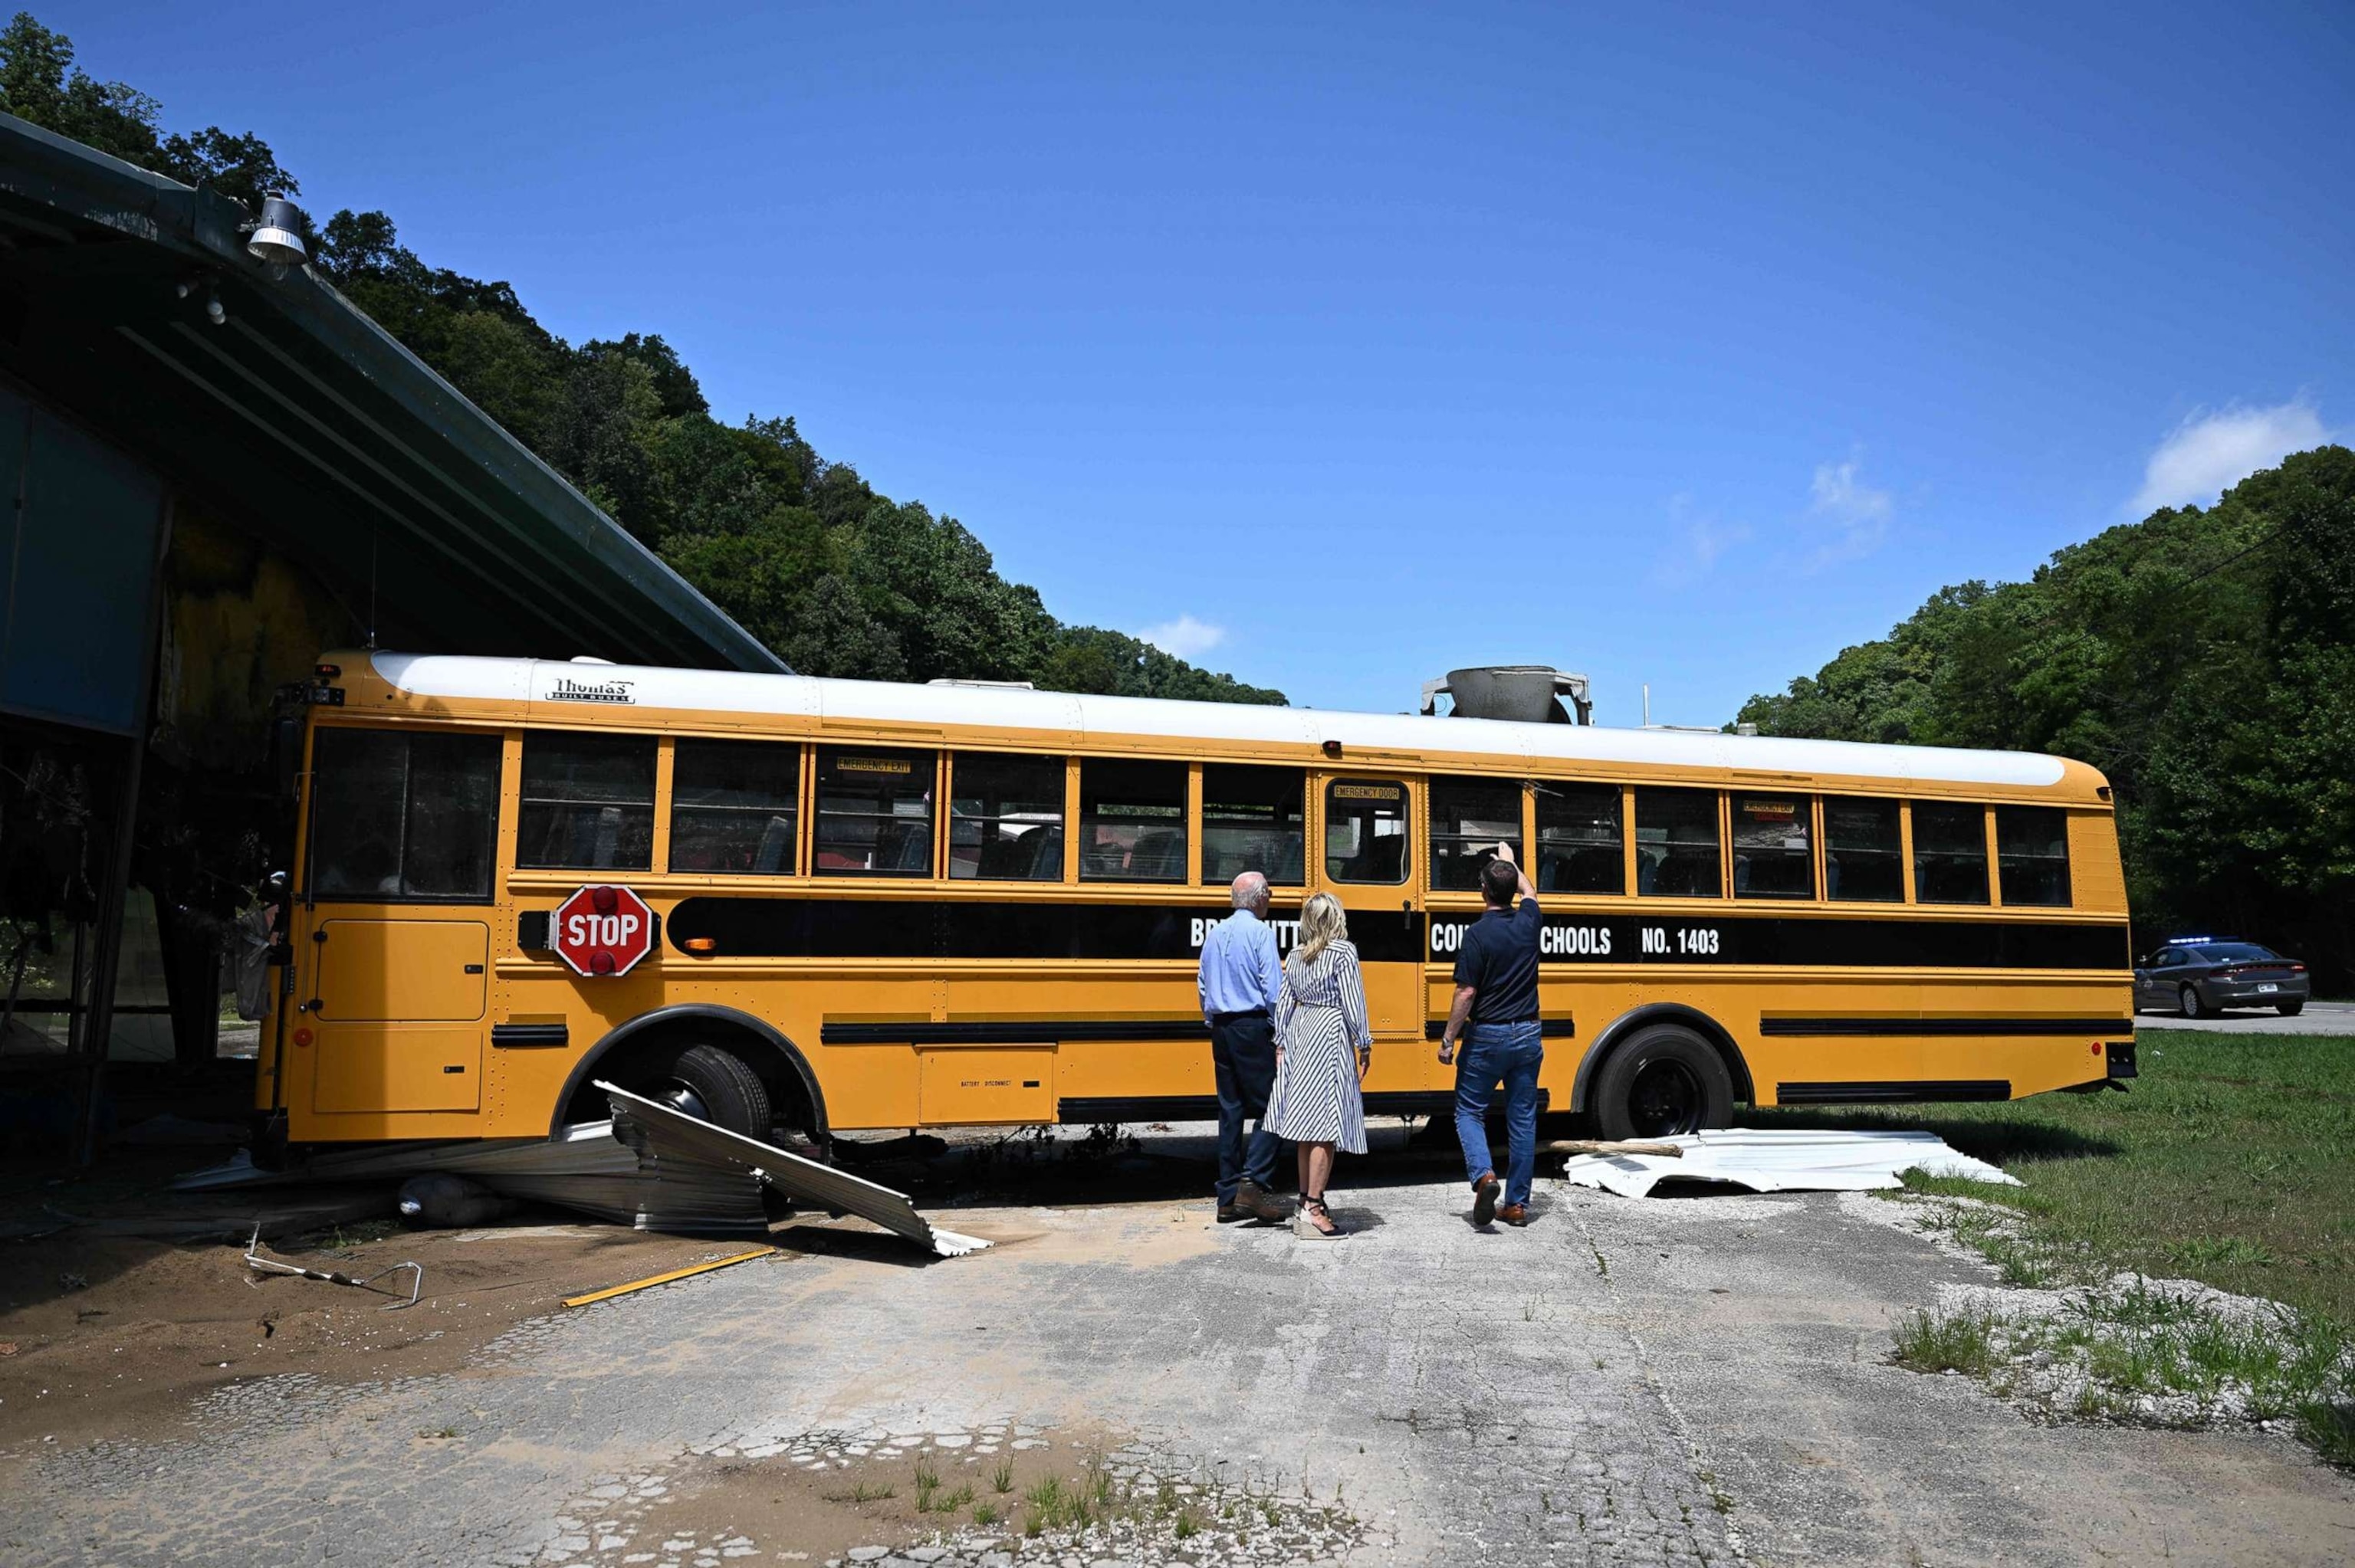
(563, 686)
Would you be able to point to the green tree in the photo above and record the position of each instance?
(41, 82)
(2202, 658)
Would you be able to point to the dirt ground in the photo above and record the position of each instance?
(105, 1334)
(859, 1499)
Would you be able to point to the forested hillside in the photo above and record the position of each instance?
(2204, 659)
(836, 576)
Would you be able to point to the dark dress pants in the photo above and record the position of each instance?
(1242, 1050)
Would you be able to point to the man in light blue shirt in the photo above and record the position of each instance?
(1240, 976)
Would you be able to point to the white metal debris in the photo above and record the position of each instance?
(663, 1138)
(583, 1168)
(1780, 1160)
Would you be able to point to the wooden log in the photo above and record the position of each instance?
(1607, 1146)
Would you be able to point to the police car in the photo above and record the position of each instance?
(2196, 976)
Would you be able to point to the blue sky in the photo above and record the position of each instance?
(1351, 343)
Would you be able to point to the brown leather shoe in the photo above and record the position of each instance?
(1256, 1201)
(1229, 1214)
(1514, 1213)
(1484, 1198)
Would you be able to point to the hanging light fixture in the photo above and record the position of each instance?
(278, 238)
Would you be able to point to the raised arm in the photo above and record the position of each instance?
(1526, 889)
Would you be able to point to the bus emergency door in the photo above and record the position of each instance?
(392, 935)
(1363, 831)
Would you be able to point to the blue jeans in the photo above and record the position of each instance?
(1511, 1054)
(1242, 1057)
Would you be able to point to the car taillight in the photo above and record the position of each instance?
(2298, 968)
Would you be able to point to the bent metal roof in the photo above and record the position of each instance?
(575, 693)
(301, 419)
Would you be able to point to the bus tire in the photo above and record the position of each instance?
(708, 1082)
(1663, 1081)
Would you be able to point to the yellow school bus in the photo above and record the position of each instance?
(870, 906)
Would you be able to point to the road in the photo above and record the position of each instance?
(1670, 1381)
(2318, 1018)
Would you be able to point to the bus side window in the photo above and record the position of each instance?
(1772, 855)
(1365, 831)
(1675, 844)
(405, 815)
(1864, 853)
(2032, 846)
(1578, 842)
(1254, 820)
(1469, 817)
(733, 807)
(1949, 853)
(588, 802)
(1006, 816)
(874, 812)
(1132, 820)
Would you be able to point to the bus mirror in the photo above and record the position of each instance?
(287, 742)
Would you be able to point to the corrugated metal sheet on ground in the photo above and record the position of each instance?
(583, 1168)
(1783, 1161)
(663, 1136)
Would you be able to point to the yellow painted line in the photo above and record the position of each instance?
(666, 1278)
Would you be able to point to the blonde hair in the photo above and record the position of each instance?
(1322, 923)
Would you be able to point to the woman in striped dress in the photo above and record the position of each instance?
(1323, 1048)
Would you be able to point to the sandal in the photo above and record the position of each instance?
(1304, 1225)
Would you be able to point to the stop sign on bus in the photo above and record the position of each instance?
(602, 931)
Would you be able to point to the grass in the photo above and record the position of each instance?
(1948, 1342)
(865, 1492)
(2229, 1161)
(1051, 1504)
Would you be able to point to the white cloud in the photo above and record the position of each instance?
(1703, 537)
(2208, 453)
(1858, 513)
(1185, 638)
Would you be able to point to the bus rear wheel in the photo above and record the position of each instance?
(1664, 1081)
(714, 1086)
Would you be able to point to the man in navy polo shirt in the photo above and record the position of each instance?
(1496, 1012)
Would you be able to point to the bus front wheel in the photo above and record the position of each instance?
(1664, 1081)
(715, 1086)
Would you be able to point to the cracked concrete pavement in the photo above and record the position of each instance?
(1672, 1381)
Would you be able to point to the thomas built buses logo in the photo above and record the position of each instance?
(569, 690)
